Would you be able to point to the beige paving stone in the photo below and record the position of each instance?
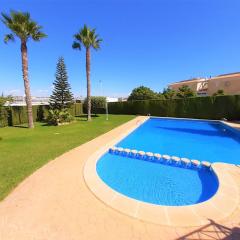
(153, 214)
(124, 205)
(183, 216)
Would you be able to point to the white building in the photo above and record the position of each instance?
(20, 101)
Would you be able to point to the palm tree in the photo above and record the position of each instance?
(23, 27)
(89, 39)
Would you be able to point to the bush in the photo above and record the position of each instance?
(217, 107)
(57, 117)
(219, 92)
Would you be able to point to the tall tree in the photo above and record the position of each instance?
(61, 96)
(169, 93)
(142, 93)
(87, 38)
(185, 92)
(23, 27)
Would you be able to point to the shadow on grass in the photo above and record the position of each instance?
(83, 117)
(20, 126)
(42, 123)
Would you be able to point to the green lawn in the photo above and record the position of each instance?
(23, 150)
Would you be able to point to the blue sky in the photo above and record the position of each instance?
(146, 42)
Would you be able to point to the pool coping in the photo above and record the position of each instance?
(219, 207)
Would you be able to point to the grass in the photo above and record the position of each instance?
(23, 150)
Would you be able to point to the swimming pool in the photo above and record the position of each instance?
(166, 184)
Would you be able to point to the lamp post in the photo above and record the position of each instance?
(106, 109)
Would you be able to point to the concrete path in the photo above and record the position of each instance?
(55, 203)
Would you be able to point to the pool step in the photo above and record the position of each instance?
(156, 157)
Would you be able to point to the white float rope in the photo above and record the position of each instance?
(158, 157)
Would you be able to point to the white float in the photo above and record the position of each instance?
(119, 150)
(195, 163)
(134, 152)
(141, 154)
(157, 156)
(149, 155)
(166, 157)
(126, 150)
(186, 161)
(206, 164)
(176, 159)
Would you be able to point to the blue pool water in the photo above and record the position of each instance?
(169, 185)
(156, 183)
(202, 140)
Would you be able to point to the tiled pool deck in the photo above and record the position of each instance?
(56, 203)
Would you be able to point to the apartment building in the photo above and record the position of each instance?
(229, 83)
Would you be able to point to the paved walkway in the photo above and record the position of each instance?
(55, 203)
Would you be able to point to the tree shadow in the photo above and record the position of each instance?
(83, 117)
(19, 126)
(25, 125)
(213, 231)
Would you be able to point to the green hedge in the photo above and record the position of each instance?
(76, 109)
(3, 117)
(98, 105)
(17, 115)
(198, 107)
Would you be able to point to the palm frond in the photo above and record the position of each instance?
(88, 37)
(22, 26)
(78, 36)
(6, 19)
(37, 36)
(8, 37)
(76, 45)
(96, 44)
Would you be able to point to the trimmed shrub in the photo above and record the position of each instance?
(57, 117)
(216, 107)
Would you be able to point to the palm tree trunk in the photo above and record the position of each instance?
(26, 83)
(88, 83)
